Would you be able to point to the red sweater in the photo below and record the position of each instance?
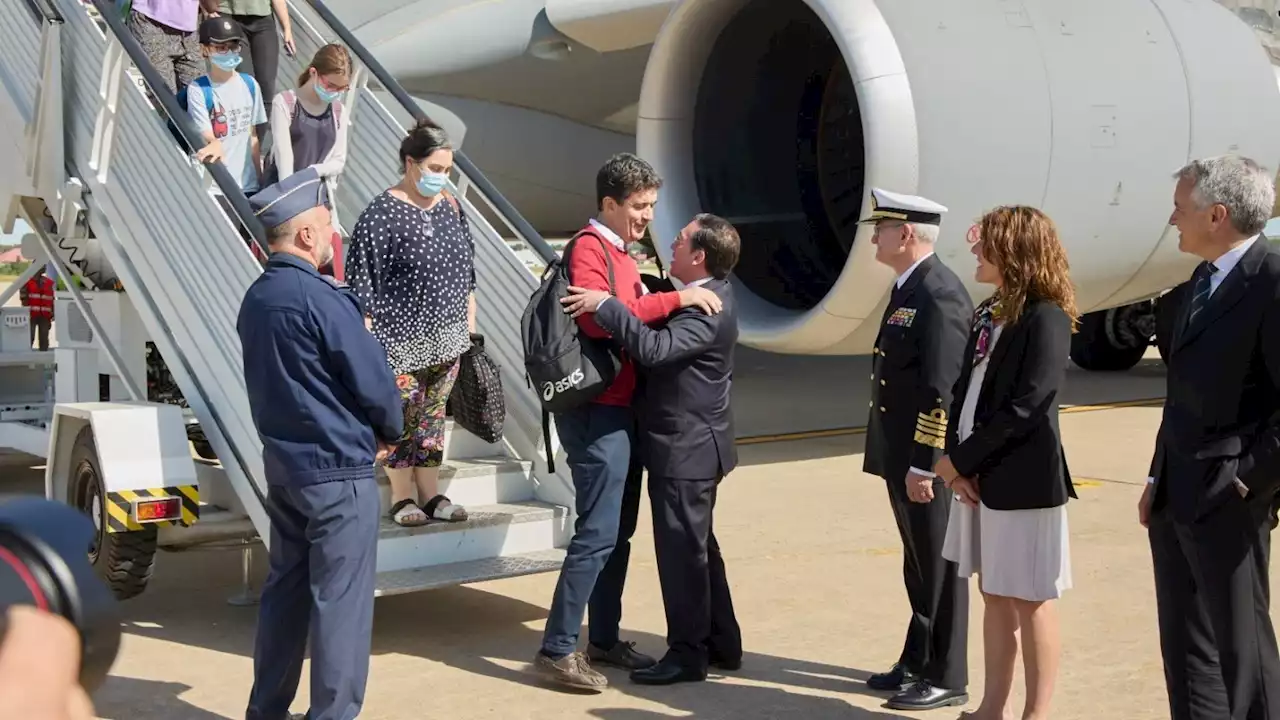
(587, 269)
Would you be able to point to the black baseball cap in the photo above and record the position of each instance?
(219, 30)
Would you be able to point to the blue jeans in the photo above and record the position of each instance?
(597, 440)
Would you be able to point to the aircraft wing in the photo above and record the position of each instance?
(609, 25)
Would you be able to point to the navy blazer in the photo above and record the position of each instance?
(683, 398)
(319, 386)
(1015, 451)
(1220, 413)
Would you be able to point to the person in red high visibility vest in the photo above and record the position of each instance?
(37, 294)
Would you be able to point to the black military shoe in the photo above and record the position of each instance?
(896, 679)
(622, 655)
(668, 671)
(924, 696)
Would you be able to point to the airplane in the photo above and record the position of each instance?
(782, 114)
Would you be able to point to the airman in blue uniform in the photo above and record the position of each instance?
(327, 409)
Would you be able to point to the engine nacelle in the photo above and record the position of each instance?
(782, 114)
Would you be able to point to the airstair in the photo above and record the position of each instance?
(131, 223)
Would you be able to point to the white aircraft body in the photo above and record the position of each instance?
(782, 114)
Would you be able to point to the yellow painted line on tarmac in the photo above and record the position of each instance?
(849, 431)
(1147, 402)
(807, 435)
(1086, 482)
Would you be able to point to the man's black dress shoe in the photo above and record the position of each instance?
(896, 679)
(924, 696)
(668, 671)
(725, 663)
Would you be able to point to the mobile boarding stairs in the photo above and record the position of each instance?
(140, 410)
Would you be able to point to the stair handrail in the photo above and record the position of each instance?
(179, 117)
(45, 11)
(468, 169)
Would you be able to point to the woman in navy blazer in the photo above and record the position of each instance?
(1004, 458)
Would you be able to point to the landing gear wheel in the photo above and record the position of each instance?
(1168, 309)
(124, 560)
(200, 443)
(1110, 340)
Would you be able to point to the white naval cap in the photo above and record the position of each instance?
(886, 205)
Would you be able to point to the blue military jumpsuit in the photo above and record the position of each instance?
(321, 394)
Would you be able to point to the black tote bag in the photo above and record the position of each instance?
(477, 403)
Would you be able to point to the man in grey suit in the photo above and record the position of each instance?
(687, 444)
(1209, 503)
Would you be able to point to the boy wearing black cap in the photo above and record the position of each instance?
(226, 106)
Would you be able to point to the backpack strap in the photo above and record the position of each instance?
(608, 261)
(206, 89)
(252, 85)
(291, 101)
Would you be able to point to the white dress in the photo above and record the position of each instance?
(1024, 554)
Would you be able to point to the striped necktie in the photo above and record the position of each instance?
(1200, 292)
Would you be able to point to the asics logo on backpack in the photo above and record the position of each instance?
(571, 380)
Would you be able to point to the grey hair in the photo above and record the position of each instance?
(1239, 183)
(925, 233)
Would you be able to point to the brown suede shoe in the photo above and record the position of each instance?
(572, 670)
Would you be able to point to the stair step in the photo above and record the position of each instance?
(475, 482)
(471, 571)
(490, 531)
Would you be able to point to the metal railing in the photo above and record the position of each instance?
(467, 169)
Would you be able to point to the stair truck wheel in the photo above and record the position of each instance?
(124, 559)
(1113, 340)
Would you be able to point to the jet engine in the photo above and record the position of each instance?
(781, 115)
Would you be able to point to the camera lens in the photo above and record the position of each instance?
(24, 578)
(44, 564)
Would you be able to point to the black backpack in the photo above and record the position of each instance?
(565, 367)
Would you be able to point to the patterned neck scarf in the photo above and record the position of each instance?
(984, 321)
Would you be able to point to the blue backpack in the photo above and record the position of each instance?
(203, 82)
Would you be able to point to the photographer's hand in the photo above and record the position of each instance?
(40, 667)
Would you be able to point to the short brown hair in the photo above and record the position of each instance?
(331, 59)
(718, 238)
(1023, 242)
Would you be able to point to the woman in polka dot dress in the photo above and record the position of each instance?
(411, 262)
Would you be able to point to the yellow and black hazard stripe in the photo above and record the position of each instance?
(120, 517)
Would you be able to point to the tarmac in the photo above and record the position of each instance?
(815, 566)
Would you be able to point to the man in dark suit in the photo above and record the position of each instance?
(687, 443)
(1207, 505)
(916, 361)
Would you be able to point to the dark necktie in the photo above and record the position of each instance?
(1200, 291)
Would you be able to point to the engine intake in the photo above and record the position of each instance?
(780, 115)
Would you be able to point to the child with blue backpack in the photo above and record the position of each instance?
(226, 106)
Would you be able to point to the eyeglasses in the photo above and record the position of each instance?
(974, 234)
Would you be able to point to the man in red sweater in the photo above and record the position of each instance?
(597, 438)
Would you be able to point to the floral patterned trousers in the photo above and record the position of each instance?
(424, 394)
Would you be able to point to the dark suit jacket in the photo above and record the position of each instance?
(682, 406)
(1222, 406)
(915, 364)
(1015, 451)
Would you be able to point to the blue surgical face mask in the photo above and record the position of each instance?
(327, 96)
(430, 184)
(226, 61)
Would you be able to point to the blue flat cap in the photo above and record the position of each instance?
(277, 204)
